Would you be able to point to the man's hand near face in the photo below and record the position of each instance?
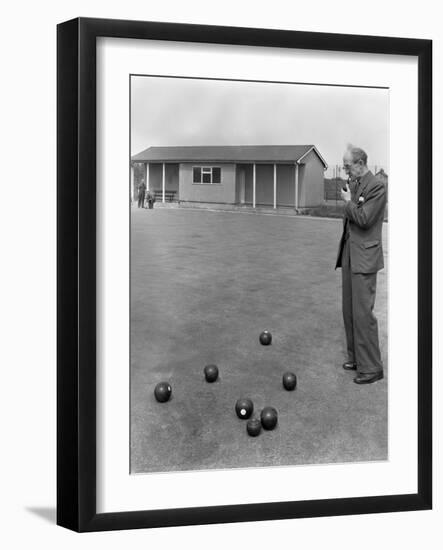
(346, 194)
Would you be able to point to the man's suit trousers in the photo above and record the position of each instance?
(361, 325)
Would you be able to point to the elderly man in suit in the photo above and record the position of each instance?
(360, 257)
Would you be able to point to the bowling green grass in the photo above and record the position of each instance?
(204, 285)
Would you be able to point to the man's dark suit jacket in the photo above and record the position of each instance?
(364, 215)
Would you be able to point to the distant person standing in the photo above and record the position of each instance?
(151, 199)
(141, 194)
(360, 256)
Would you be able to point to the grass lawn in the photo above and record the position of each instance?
(204, 285)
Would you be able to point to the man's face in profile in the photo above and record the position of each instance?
(353, 169)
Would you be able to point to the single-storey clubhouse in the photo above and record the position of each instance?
(262, 175)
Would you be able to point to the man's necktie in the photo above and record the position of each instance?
(355, 187)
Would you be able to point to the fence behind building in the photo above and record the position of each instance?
(335, 177)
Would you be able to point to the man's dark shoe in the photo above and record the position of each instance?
(368, 378)
(350, 365)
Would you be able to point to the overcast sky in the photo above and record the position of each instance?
(178, 111)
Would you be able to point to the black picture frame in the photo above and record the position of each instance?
(76, 273)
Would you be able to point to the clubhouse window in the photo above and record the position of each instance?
(206, 174)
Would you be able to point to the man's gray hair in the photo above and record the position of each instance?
(359, 155)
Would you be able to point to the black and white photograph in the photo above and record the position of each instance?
(220, 296)
(259, 261)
